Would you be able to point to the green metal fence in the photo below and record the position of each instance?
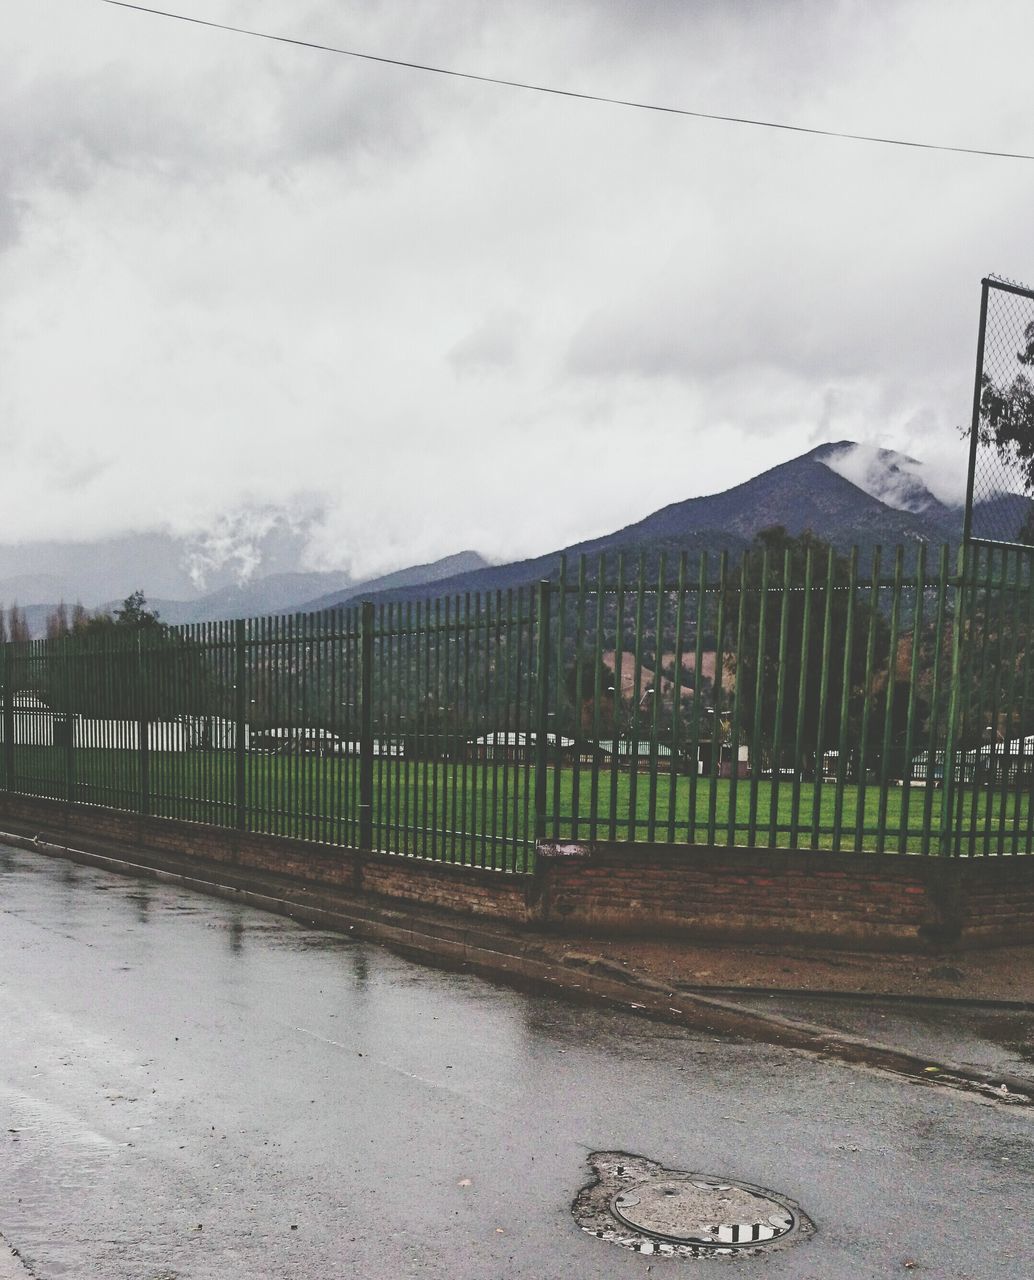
(791, 697)
(798, 698)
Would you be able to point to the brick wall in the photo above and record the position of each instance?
(849, 900)
(743, 894)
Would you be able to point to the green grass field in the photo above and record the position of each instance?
(484, 814)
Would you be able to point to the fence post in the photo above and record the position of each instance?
(70, 718)
(8, 717)
(366, 727)
(542, 619)
(947, 834)
(142, 730)
(239, 724)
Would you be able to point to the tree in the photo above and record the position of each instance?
(134, 612)
(57, 622)
(787, 560)
(17, 625)
(130, 665)
(132, 615)
(1007, 417)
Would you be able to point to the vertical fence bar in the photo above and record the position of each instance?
(576, 700)
(366, 728)
(71, 701)
(469, 722)
(435, 706)
(780, 705)
(888, 702)
(759, 694)
(867, 678)
(1008, 772)
(559, 719)
(410, 770)
(491, 736)
(142, 728)
(8, 713)
(1023, 768)
(597, 695)
(525, 816)
(655, 701)
(618, 691)
(845, 702)
(240, 689)
(933, 728)
(637, 680)
(978, 664)
(820, 728)
(495, 679)
(948, 832)
(511, 724)
(695, 761)
(913, 697)
(718, 690)
(674, 765)
(542, 705)
(734, 762)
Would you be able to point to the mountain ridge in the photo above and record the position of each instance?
(810, 492)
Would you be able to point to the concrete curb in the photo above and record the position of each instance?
(524, 962)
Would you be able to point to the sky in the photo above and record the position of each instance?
(418, 314)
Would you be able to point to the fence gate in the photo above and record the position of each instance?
(992, 696)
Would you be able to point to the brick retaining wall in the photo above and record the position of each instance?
(850, 900)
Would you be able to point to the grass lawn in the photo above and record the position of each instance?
(484, 814)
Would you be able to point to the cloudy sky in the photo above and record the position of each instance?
(429, 314)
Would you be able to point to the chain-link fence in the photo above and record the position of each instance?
(1000, 504)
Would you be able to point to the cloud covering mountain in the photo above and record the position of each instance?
(240, 277)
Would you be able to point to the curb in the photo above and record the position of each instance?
(523, 962)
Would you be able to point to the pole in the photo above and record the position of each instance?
(240, 725)
(542, 707)
(366, 727)
(974, 429)
(8, 715)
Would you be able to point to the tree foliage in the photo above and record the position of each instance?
(1007, 415)
(788, 558)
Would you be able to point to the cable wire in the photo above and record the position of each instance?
(571, 93)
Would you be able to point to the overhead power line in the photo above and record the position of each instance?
(571, 93)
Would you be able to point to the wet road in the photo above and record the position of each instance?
(992, 1039)
(190, 1089)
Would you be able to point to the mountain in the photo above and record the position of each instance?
(273, 593)
(804, 493)
(294, 592)
(164, 565)
(885, 503)
(281, 593)
(418, 576)
(845, 493)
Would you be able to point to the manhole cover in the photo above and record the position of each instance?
(640, 1205)
(699, 1211)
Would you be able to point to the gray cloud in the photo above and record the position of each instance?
(238, 278)
(492, 344)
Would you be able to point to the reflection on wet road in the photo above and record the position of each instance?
(192, 1089)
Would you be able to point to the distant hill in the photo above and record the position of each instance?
(808, 492)
(164, 565)
(274, 593)
(418, 576)
(847, 494)
(284, 593)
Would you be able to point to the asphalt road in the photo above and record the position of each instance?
(989, 1039)
(191, 1089)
